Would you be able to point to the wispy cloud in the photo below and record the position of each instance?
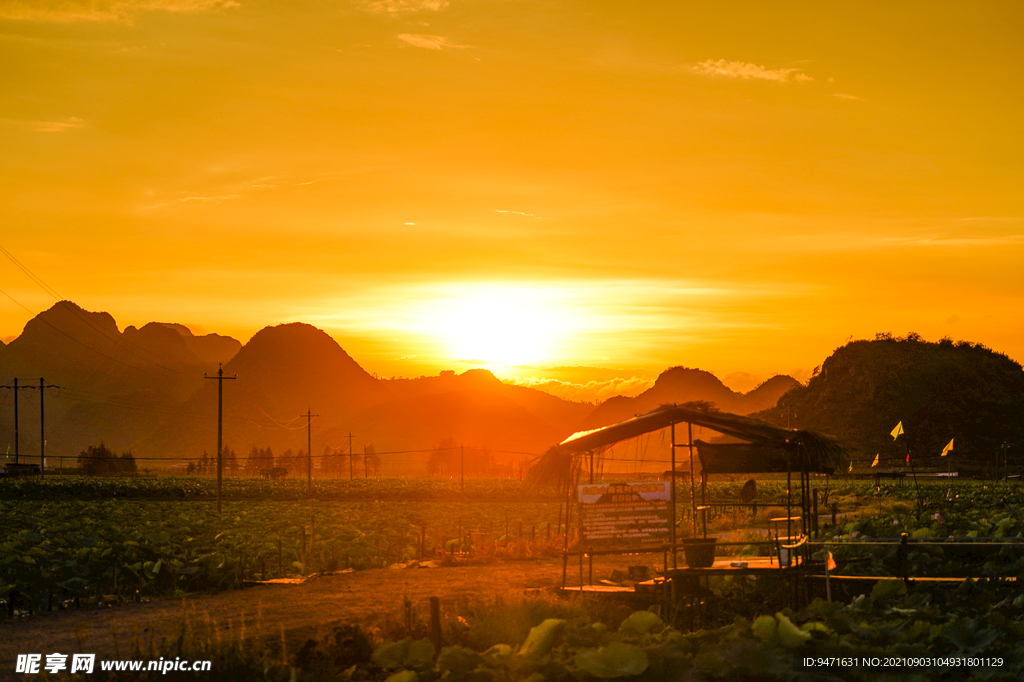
(231, 191)
(844, 96)
(525, 215)
(56, 126)
(48, 126)
(747, 71)
(101, 10)
(868, 242)
(1003, 240)
(397, 7)
(429, 42)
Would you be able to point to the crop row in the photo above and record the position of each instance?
(250, 488)
(53, 552)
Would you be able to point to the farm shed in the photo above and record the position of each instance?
(761, 448)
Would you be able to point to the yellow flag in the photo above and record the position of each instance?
(946, 450)
(897, 431)
(875, 463)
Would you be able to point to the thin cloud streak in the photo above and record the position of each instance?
(399, 7)
(101, 10)
(855, 242)
(71, 123)
(749, 71)
(429, 42)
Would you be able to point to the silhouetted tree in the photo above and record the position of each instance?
(444, 459)
(98, 460)
(371, 460)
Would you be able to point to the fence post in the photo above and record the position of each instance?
(435, 622)
(903, 559)
(815, 513)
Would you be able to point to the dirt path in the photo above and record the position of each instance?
(301, 611)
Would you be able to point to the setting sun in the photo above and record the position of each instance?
(499, 325)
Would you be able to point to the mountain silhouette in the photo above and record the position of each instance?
(281, 372)
(114, 387)
(473, 408)
(684, 384)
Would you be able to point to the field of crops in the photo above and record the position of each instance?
(122, 539)
(249, 488)
(71, 539)
(53, 551)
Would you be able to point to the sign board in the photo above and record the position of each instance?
(616, 514)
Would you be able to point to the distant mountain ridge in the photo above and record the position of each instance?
(684, 384)
(144, 390)
(104, 374)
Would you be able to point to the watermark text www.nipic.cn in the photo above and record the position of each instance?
(86, 663)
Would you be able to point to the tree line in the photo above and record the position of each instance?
(331, 461)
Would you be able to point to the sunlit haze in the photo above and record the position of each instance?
(574, 195)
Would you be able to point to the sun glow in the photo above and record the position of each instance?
(500, 325)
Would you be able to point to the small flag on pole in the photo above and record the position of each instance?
(908, 456)
(831, 564)
(851, 466)
(946, 450)
(875, 463)
(897, 431)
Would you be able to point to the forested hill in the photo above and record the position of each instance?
(939, 391)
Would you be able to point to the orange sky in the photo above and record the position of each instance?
(445, 184)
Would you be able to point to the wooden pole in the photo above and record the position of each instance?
(303, 551)
(672, 501)
(693, 492)
(220, 427)
(312, 540)
(435, 622)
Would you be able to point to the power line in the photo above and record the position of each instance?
(31, 275)
(82, 343)
(120, 341)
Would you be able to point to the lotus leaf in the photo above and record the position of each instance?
(618, 659)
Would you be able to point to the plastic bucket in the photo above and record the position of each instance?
(699, 552)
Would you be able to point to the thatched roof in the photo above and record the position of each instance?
(819, 452)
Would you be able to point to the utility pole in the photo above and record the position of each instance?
(42, 429)
(309, 449)
(351, 454)
(462, 468)
(220, 425)
(366, 467)
(15, 387)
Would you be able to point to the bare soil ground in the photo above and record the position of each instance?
(295, 612)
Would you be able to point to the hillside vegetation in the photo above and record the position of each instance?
(939, 391)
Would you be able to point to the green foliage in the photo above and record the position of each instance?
(641, 622)
(493, 490)
(938, 390)
(142, 548)
(542, 638)
(613, 661)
